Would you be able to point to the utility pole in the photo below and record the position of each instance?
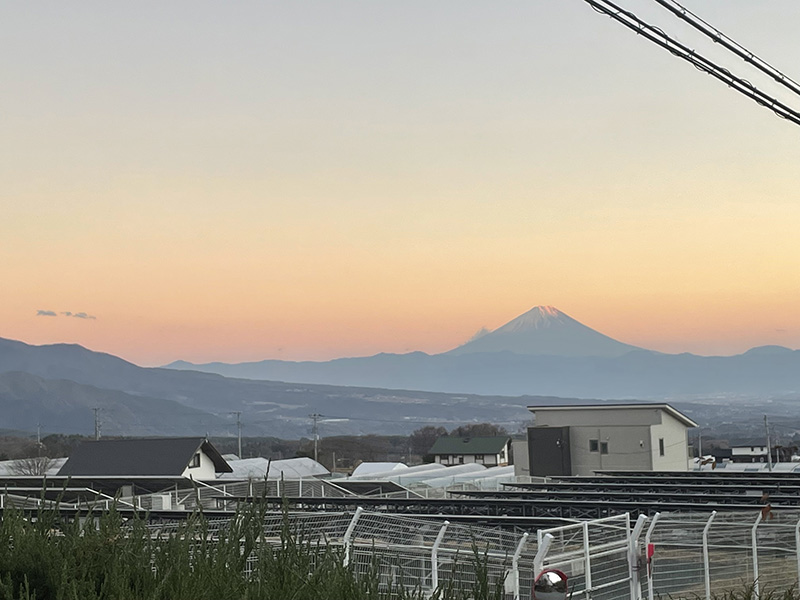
(315, 431)
(96, 410)
(699, 443)
(238, 414)
(769, 450)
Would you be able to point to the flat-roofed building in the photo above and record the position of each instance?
(582, 439)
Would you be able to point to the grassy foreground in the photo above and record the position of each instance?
(110, 558)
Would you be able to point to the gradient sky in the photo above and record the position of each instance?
(307, 180)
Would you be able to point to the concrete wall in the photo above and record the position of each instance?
(522, 467)
(629, 448)
(676, 445)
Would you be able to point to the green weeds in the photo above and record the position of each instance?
(109, 557)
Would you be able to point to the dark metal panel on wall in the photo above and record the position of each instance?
(548, 451)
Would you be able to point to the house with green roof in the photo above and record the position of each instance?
(494, 451)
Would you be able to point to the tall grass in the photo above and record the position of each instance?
(745, 592)
(106, 556)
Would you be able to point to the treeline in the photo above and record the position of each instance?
(345, 450)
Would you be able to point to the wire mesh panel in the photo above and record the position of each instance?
(594, 555)
(678, 564)
(777, 551)
(703, 555)
(730, 556)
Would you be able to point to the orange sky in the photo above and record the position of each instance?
(313, 180)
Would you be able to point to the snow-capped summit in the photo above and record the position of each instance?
(536, 318)
(545, 330)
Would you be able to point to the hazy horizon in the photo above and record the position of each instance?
(311, 180)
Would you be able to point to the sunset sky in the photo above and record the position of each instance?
(308, 180)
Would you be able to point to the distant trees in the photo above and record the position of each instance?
(479, 430)
(421, 440)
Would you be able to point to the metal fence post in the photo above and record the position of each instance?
(538, 560)
(648, 535)
(797, 547)
(435, 557)
(754, 537)
(515, 564)
(348, 534)
(633, 566)
(587, 560)
(706, 565)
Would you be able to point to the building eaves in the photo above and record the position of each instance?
(469, 445)
(621, 406)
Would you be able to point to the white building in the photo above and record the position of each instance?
(582, 439)
(755, 452)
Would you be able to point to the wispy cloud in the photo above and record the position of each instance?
(65, 313)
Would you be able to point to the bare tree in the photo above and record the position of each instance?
(423, 438)
(35, 466)
(479, 430)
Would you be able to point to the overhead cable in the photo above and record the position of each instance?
(660, 38)
(720, 38)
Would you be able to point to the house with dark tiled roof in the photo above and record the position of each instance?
(490, 451)
(194, 458)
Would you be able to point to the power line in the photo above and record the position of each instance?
(718, 37)
(660, 38)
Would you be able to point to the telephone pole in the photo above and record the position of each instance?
(238, 414)
(769, 450)
(315, 431)
(96, 410)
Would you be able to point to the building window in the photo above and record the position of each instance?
(594, 445)
(195, 462)
(479, 458)
(603, 447)
(461, 460)
(661, 446)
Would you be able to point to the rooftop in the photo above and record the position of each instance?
(469, 445)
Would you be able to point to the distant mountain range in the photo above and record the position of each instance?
(58, 386)
(543, 356)
(543, 351)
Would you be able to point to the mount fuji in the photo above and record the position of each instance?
(545, 330)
